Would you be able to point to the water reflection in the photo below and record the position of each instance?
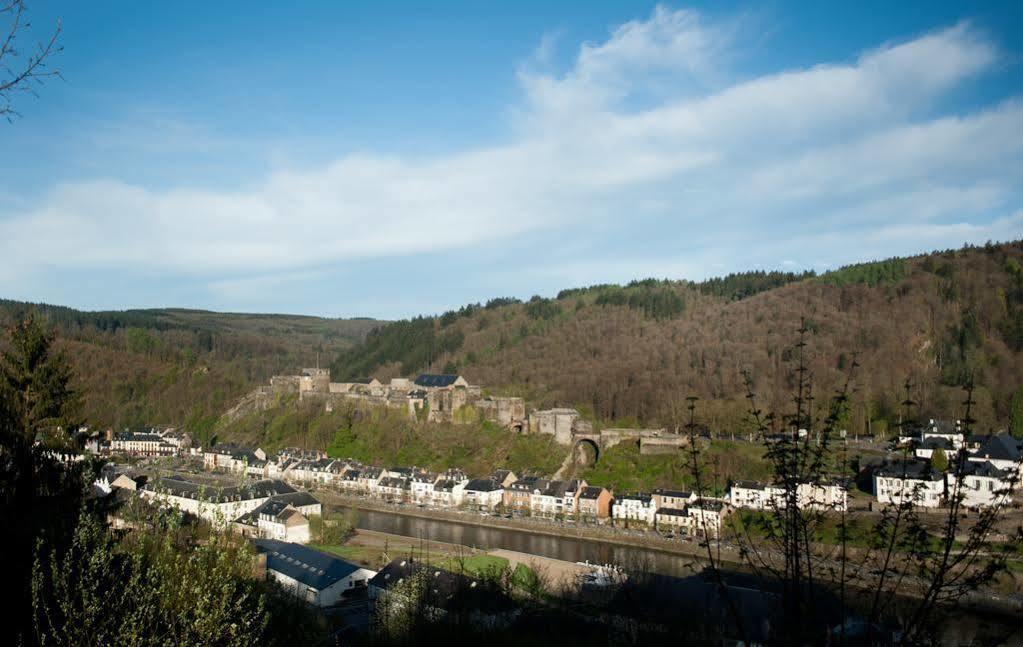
(570, 549)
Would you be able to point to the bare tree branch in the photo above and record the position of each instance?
(23, 74)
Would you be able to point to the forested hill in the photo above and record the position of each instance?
(632, 353)
(176, 366)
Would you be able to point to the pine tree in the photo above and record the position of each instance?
(1016, 414)
(35, 382)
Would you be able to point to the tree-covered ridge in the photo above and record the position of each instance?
(891, 270)
(175, 366)
(742, 285)
(614, 353)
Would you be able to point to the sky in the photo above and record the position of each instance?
(390, 159)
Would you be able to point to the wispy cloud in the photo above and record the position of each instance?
(645, 126)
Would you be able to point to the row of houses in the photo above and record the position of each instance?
(502, 490)
(984, 471)
(145, 443)
(269, 508)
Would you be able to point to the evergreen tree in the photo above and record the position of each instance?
(1016, 414)
(35, 381)
(939, 460)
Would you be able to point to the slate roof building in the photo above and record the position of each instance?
(905, 481)
(284, 517)
(984, 484)
(218, 505)
(1004, 452)
(318, 578)
(431, 381)
(483, 494)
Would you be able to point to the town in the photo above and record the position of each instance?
(271, 499)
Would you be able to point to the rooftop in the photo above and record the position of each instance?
(310, 567)
(436, 381)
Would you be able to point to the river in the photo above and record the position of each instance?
(966, 625)
(569, 549)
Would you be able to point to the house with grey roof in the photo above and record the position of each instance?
(984, 485)
(1004, 452)
(218, 505)
(483, 494)
(912, 481)
(313, 576)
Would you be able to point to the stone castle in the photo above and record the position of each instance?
(440, 398)
(452, 399)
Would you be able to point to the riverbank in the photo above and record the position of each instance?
(724, 554)
(635, 551)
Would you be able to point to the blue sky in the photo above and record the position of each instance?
(391, 159)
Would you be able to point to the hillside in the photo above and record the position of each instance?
(175, 366)
(621, 354)
(631, 353)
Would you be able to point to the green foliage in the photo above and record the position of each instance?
(891, 270)
(624, 469)
(743, 285)
(955, 350)
(412, 343)
(150, 591)
(1016, 413)
(500, 302)
(35, 380)
(939, 460)
(655, 299)
(540, 308)
(333, 529)
(484, 566)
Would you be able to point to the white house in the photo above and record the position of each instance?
(1003, 452)
(141, 444)
(910, 481)
(482, 494)
(952, 432)
(421, 487)
(556, 498)
(639, 507)
(318, 578)
(984, 484)
(448, 493)
(926, 448)
(751, 495)
(392, 488)
(706, 516)
(281, 521)
(218, 505)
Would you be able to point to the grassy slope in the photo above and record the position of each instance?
(623, 469)
(387, 438)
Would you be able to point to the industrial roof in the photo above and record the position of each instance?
(310, 567)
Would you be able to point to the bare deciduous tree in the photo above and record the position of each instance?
(23, 70)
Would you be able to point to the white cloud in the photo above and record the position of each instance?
(854, 146)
